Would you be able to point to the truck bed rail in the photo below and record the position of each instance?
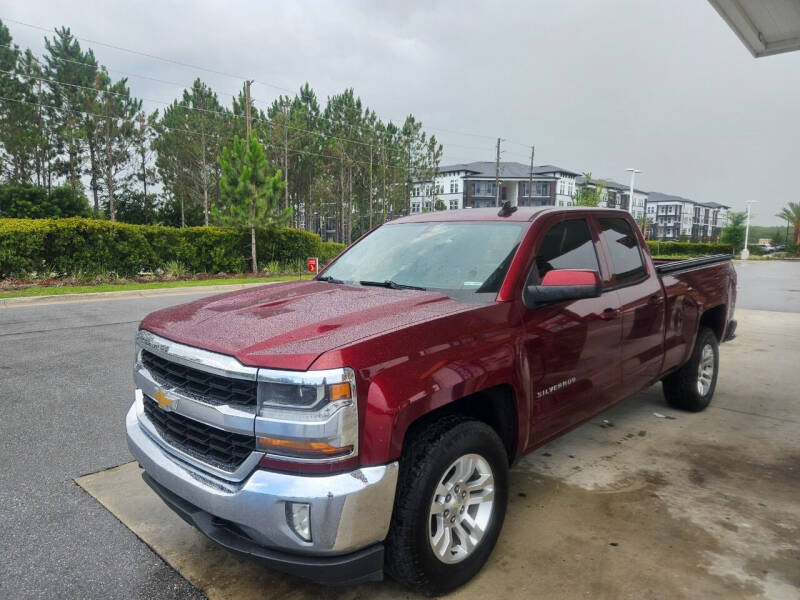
(673, 266)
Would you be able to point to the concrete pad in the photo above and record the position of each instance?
(641, 502)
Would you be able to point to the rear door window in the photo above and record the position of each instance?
(623, 247)
(567, 245)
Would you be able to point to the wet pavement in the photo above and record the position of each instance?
(769, 285)
(697, 505)
(641, 502)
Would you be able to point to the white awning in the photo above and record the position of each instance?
(765, 26)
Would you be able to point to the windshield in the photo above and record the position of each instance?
(465, 260)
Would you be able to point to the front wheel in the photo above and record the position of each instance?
(449, 507)
(692, 386)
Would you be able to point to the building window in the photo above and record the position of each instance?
(453, 204)
(483, 188)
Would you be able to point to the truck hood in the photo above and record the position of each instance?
(288, 325)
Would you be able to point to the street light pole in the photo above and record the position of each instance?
(630, 198)
(745, 251)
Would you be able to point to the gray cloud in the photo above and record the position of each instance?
(597, 86)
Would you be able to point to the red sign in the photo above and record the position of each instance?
(313, 264)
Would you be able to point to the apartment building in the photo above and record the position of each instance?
(617, 195)
(472, 185)
(674, 218)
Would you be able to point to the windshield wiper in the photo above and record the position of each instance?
(329, 279)
(393, 285)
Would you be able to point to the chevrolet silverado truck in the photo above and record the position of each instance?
(364, 422)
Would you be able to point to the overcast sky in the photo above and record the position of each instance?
(597, 86)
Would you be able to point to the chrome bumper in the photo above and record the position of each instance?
(349, 511)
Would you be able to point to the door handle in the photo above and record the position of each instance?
(609, 314)
(655, 299)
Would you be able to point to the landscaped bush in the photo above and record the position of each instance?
(23, 201)
(89, 246)
(329, 251)
(687, 248)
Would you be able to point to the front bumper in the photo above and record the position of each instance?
(349, 512)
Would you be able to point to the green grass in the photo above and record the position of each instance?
(124, 287)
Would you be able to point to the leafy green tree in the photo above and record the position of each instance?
(190, 134)
(144, 173)
(71, 76)
(19, 137)
(791, 214)
(117, 137)
(248, 193)
(734, 233)
(590, 193)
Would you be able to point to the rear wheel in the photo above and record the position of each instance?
(692, 386)
(449, 507)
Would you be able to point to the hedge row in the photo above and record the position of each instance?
(687, 248)
(70, 246)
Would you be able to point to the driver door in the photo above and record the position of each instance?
(572, 347)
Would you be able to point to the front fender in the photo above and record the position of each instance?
(408, 373)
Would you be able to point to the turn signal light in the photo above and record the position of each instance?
(340, 391)
(302, 449)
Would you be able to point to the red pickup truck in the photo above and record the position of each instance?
(365, 421)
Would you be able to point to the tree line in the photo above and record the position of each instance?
(65, 121)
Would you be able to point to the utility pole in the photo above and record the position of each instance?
(530, 179)
(109, 168)
(408, 176)
(286, 156)
(497, 175)
(745, 251)
(247, 120)
(633, 173)
(248, 128)
(370, 186)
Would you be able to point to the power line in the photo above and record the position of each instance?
(184, 86)
(136, 52)
(216, 112)
(179, 130)
(217, 72)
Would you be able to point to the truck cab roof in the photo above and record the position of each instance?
(492, 213)
(523, 213)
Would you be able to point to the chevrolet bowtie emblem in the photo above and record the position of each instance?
(163, 401)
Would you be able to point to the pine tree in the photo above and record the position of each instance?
(248, 194)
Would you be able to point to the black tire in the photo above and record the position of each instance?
(681, 388)
(426, 457)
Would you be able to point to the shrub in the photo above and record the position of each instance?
(175, 269)
(24, 201)
(329, 251)
(687, 248)
(90, 246)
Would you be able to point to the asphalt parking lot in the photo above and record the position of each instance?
(629, 505)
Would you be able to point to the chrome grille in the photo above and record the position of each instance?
(222, 449)
(203, 386)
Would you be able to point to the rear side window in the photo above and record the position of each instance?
(567, 245)
(626, 257)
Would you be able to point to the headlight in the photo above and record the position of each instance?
(310, 416)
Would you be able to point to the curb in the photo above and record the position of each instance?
(124, 294)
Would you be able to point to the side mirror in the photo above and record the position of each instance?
(563, 284)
